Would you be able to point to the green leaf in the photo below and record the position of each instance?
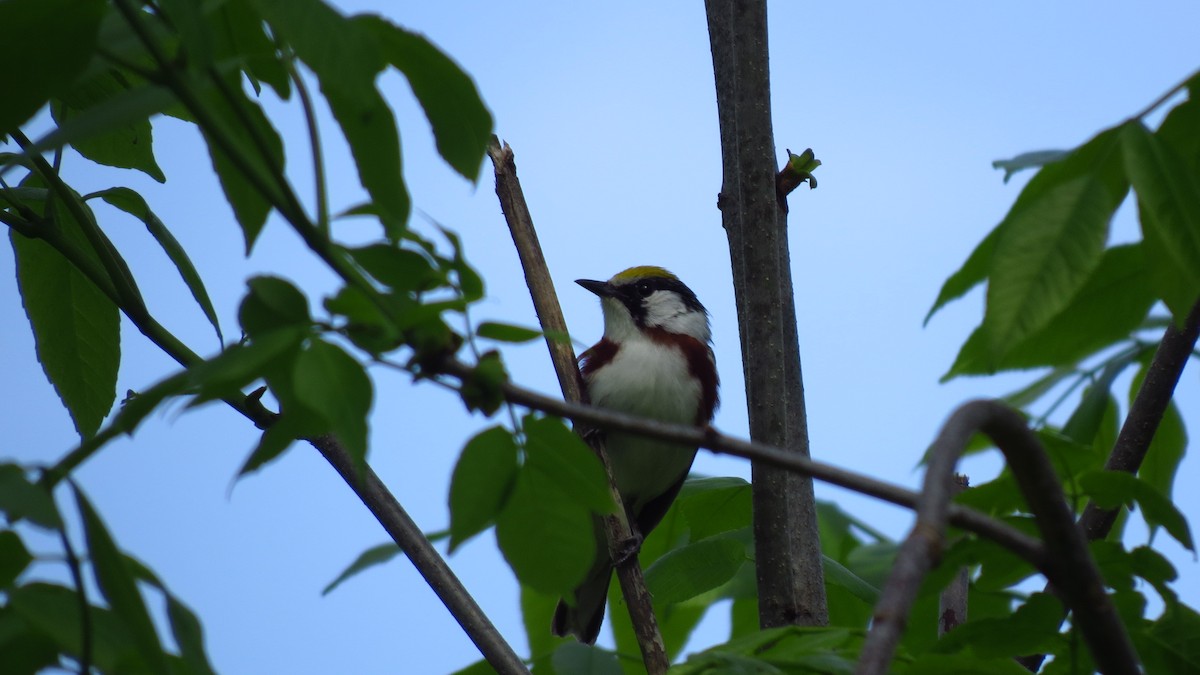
(227, 373)
(21, 499)
(117, 585)
(537, 610)
(1085, 421)
(14, 558)
(690, 570)
(1028, 160)
(1035, 390)
(1032, 629)
(188, 21)
(238, 34)
(503, 332)
(128, 145)
(113, 122)
(1051, 241)
(271, 304)
(1168, 192)
(1165, 453)
(1111, 489)
(546, 535)
(76, 330)
(189, 635)
(481, 482)
(62, 35)
(330, 381)
(399, 269)
(132, 203)
(248, 129)
(972, 273)
(23, 649)
(713, 507)
(1177, 633)
(461, 123)
(376, 555)
(836, 573)
(959, 664)
(557, 455)
(346, 59)
(53, 611)
(580, 659)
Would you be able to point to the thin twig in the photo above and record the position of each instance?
(1072, 569)
(1021, 544)
(541, 287)
(314, 141)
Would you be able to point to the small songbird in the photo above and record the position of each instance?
(655, 360)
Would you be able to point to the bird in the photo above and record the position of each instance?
(655, 360)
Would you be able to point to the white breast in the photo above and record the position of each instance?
(652, 380)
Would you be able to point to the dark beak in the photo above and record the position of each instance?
(600, 288)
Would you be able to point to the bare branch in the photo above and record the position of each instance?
(1071, 567)
(618, 531)
(1021, 544)
(791, 587)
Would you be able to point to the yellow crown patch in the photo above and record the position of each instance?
(641, 272)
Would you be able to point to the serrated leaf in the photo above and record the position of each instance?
(1168, 192)
(346, 59)
(238, 33)
(1051, 241)
(117, 585)
(399, 269)
(335, 384)
(132, 203)
(545, 534)
(1111, 489)
(376, 555)
(62, 33)
(14, 558)
(481, 482)
(20, 499)
(972, 273)
(503, 332)
(688, 571)
(232, 115)
(76, 328)
(461, 123)
(189, 636)
(272, 304)
(127, 145)
(556, 454)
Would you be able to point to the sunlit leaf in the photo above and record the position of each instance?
(481, 482)
(376, 555)
(330, 381)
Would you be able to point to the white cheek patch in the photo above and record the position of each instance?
(666, 310)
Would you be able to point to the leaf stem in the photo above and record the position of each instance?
(314, 141)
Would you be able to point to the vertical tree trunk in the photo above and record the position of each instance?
(791, 586)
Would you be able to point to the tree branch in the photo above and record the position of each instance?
(545, 301)
(1137, 432)
(1021, 544)
(369, 488)
(952, 602)
(1071, 567)
(791, 587)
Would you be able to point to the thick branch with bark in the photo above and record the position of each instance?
(618, 532)
(1072, 569)
(791, 585)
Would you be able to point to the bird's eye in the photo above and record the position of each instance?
(644, 289)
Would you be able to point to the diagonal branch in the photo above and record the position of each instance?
(545, 302)
(1071, 568)
(1137, 432)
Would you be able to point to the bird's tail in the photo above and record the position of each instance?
(584, 618)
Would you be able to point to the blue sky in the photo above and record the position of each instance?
(611, 112)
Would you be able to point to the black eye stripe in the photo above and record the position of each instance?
(632, 294)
